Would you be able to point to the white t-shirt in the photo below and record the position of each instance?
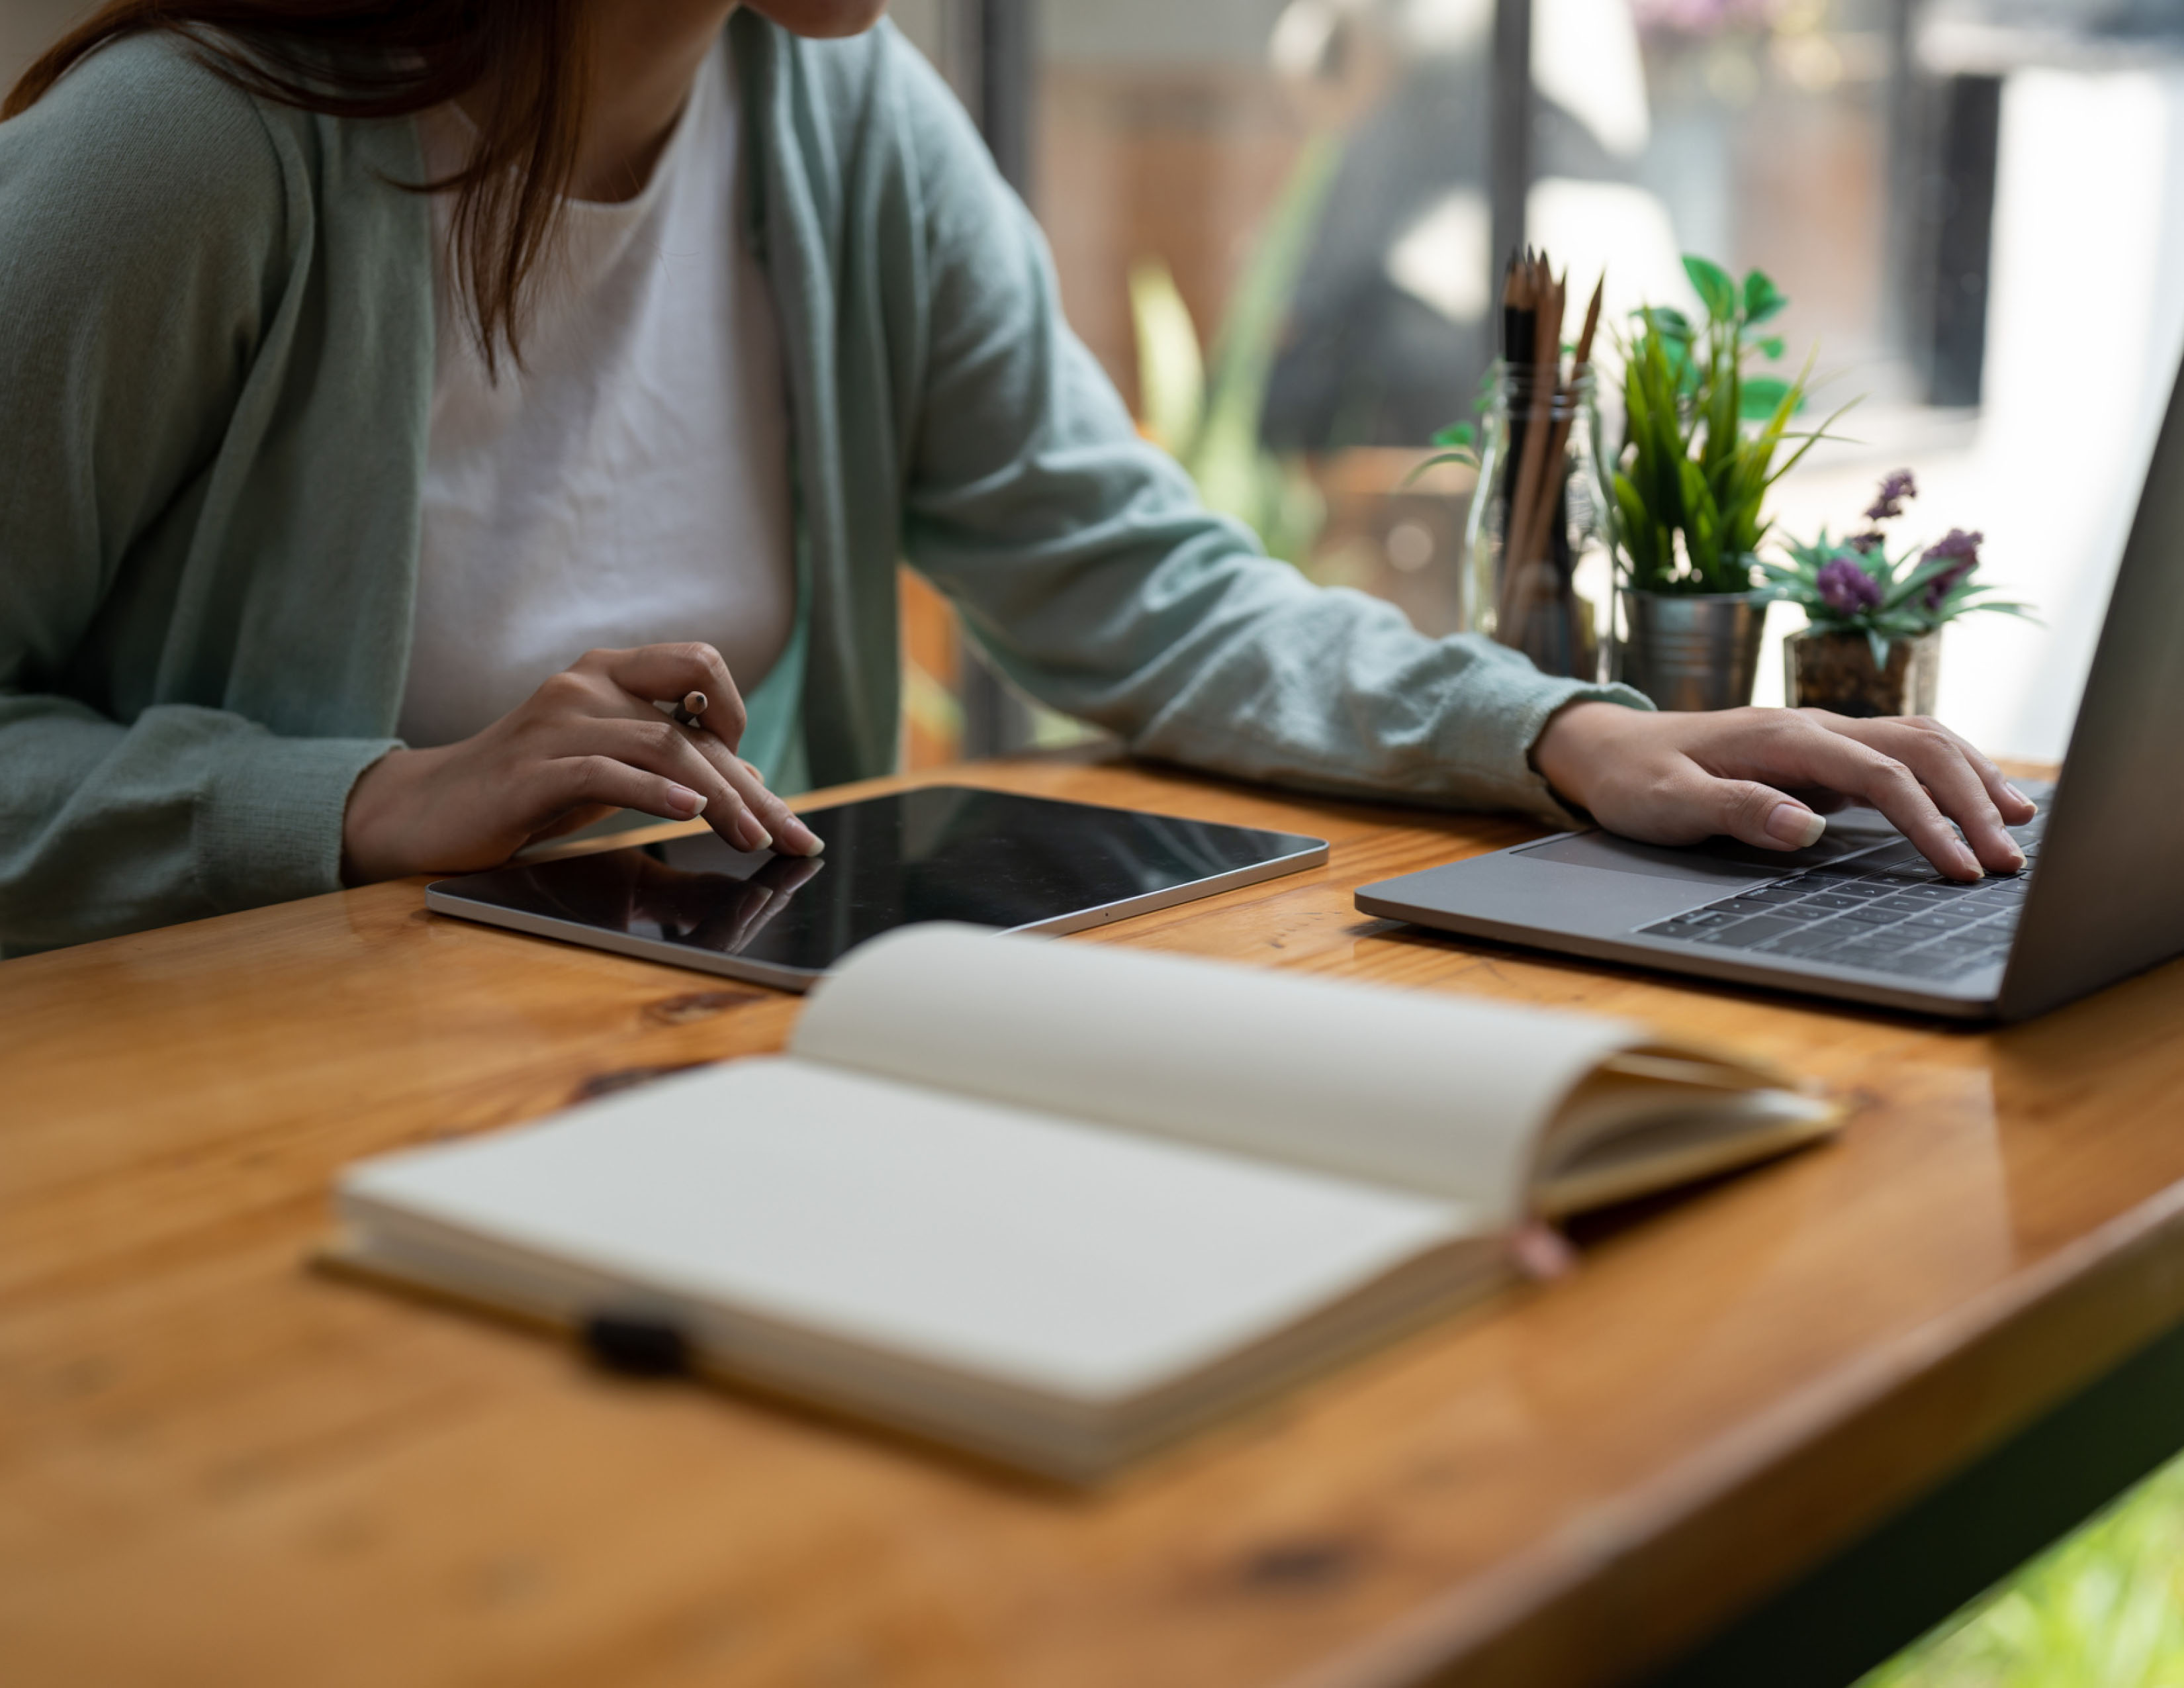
(628, 486)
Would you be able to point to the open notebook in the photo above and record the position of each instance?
(1058, 1203)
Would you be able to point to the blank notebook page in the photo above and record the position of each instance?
(1073, 1260)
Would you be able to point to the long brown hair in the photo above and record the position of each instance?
(392, 58)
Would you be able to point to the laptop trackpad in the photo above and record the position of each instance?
(1717, 862)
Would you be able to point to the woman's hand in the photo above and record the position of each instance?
(1763, 775)
(587, 742)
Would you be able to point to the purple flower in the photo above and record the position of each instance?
(1896, 487)
(1958, 544)
(1865, 544)
(1958, 549)
(1847, 588)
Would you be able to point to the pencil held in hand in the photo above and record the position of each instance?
(692, 708)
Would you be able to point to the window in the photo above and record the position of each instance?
(1283, 209)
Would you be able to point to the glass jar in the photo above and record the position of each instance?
(1538, 573)
(1836, 671)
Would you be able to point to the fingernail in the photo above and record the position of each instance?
(809, 842)
(1971, 864)
(754, 836)
(2018, 794)
(1796, 825)
(684, 801)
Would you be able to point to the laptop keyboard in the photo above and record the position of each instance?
(1887, 911)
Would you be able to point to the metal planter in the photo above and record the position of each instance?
(1696, 650)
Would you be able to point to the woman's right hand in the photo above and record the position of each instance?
(587, 742)
(1761, 776)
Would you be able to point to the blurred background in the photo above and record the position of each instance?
(1276, 223)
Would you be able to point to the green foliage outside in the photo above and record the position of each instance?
(1209, 422)
(2103, 1608)
(1691, 479)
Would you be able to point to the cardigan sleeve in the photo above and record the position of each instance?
(1081, 559)
(143, 221)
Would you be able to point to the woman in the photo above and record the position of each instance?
(317, 484)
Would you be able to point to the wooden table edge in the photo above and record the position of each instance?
(2070, 1293)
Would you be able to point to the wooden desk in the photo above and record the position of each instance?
(217, 1466)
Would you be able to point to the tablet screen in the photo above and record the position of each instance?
(989, 858)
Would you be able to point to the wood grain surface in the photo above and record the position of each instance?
(218, 1466)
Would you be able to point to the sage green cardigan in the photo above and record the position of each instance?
(215, 367)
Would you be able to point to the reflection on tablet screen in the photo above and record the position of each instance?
(634, 891)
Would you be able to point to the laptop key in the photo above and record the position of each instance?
(1745, 934)
(1814, 941)
(1695, 921)
(1914, 867)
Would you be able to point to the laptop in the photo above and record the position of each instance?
(1862, 915)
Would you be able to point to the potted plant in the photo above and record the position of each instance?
(1872, 644)
(1702, 440)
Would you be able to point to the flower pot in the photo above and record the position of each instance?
(1835, 672)
(1692, 651)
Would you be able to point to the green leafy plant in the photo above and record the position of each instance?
(1703, 438)
(1458, 442)
(1852, 585)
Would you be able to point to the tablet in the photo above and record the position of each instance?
(945, 852)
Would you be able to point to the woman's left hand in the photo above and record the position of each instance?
(1762, 776)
